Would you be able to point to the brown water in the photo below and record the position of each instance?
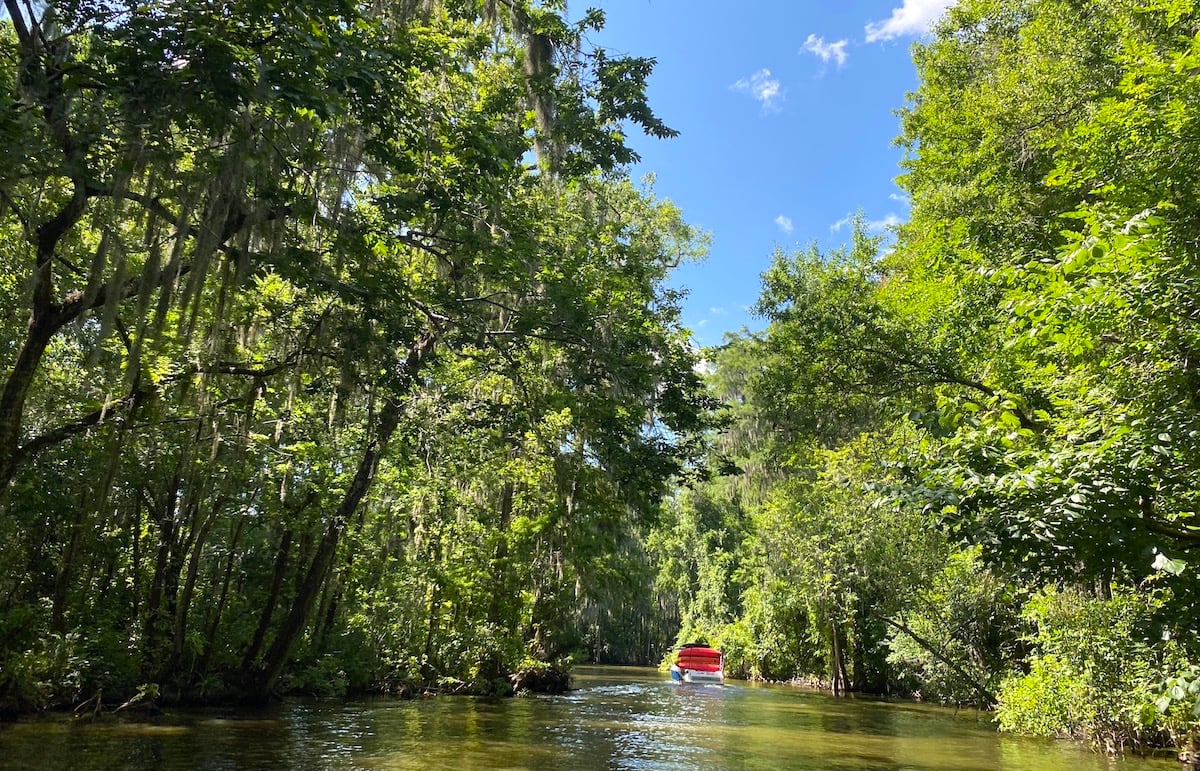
(618, 718)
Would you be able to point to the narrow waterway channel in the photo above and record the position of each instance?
(616, 718)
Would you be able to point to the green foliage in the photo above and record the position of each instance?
(1002, 406)
(312, 381)
(1073, 265)
(695, 576)
(1177, 705)
(326, 676)
(969, 615)
(793, 559)
(49, 674)
(1052, 700)
(1093, 668)
(840, 341)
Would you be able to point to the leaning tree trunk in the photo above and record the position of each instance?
(986, 696)
(184, 605)
(218, 608)
(282, 554)
(263, 681)
(314, 579)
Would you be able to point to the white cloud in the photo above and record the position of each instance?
(784, 223)
(878, 226)
(718, 311)
(900, 198)
(915, 17)
(873, 226)
(826, 52)
(765, 89)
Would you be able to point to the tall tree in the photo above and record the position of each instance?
(252, 241)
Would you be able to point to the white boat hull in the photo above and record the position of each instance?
(696, 676)
(691, 676)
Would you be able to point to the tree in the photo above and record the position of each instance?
(256, 242)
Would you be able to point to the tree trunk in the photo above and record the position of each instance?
(189, 583)
(326, 610)
(858, 666)
(136, 557)
(835, 661)
(302, 605)
(62, 584)
(210, 642)
(498, 617)
(16, 389)
(339, 588)
(839, 636)
(858, 657)
(429, 667)
(264, 619)
(158, 583)
(314, 580)
(1189, 753)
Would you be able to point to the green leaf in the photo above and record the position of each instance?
(1167, 565)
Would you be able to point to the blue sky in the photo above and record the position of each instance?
(786, 110)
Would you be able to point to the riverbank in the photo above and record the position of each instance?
(151, 699)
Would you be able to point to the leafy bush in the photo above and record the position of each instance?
(324, 676)
(1052, 700)
(1177, 708)
(46, 675)
(1097, 665)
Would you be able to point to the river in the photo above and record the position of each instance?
(616, 718)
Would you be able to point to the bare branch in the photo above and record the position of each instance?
(108, 411)
(18, 19)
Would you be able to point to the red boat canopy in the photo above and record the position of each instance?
(699, 658)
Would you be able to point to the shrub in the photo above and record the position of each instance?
(1096, 666)
(1052, 700)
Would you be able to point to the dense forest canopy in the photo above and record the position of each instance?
(337, 348)
(338, 353)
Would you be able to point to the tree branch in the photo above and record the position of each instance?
(1190, 538)
(18, 19)
(64, 432)
(988, 698)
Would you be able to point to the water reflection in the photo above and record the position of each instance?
(616, 719)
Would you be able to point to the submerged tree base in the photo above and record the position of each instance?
(541, 678)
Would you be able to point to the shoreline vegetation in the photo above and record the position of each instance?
(338, 352)
(150, 701)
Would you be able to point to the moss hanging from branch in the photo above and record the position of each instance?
(175, 267)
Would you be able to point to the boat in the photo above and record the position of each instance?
(698, 663)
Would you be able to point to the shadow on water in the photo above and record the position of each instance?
(617, 718)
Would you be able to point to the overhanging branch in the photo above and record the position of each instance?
(981, 690)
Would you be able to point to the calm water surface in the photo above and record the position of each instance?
(618, 718)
